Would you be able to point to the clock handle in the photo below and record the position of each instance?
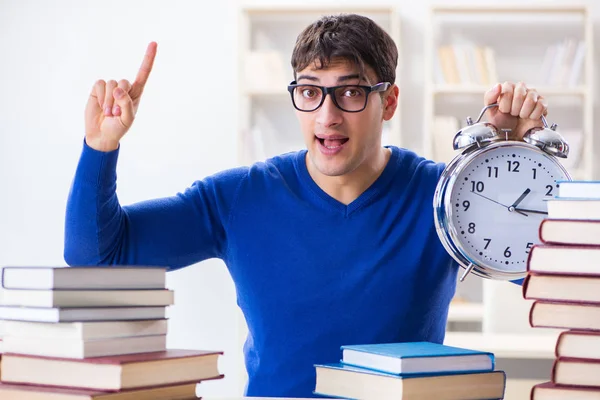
(483, 110)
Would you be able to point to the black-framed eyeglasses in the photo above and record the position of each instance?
(348, 98)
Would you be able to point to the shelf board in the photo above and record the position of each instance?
(526, 8)
(465, 312)
(311, 8)
(506, 345)
(480, 90)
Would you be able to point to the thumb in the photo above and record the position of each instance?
(124, 102)
(492, 95)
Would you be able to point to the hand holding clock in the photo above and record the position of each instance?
(519, 108)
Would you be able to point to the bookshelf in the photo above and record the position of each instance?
(467, 49)
(267, 124)
(549, 47)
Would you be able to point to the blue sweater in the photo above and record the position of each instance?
(311, 273)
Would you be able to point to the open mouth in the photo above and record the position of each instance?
(332, 143)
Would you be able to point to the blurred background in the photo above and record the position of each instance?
(217, 99)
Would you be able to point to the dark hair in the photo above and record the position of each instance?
(353, 37)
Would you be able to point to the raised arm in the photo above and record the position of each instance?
(173, 231)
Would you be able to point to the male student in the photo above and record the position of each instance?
(327, 246)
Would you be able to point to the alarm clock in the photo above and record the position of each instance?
(490, 199)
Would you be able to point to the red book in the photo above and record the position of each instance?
(29, 392)
(565, 315)
(570, 232)
(564, 260)
(578, 344)
(112, 372)
(550, 391)
(576, 372)
(574, 288)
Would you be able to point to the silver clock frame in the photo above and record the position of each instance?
(476, 145)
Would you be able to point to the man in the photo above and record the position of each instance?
(327, 246)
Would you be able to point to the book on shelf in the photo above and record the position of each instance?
(465, 63)
(416, 358)
(9, 391)
(562, 64)
(113, 373)
(76, 277)
(341, 380)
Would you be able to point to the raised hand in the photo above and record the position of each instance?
(519, 108)
(112, 106)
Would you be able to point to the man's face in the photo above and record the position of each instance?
(339, 142)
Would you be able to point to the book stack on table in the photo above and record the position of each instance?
(411, 371)
(77, 333)
(563, 279)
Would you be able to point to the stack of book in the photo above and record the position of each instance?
(93, 333)
(563, 279)
(411, 371)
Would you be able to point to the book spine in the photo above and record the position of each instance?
(558, 343)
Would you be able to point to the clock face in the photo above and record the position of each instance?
(498, 203)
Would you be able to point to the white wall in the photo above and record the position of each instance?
(51, 52)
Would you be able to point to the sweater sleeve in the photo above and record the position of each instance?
(174, 232)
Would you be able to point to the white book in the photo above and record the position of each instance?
(83, 277)
(86, 330)
(87, 298)
(78, 348)
(80, 314)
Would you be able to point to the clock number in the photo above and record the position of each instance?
(528, 248)
(472, 227)
(534, 173)
(487, 244)
(466, 204)
(549, 192)
(507, 252)
(513, 166)
(477, 186)
(492, 172)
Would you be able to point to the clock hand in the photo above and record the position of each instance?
(531, 211)
(494, 201)
(519, 200)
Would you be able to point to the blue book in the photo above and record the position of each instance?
(579, 189)
(417, 358)
(349, 382)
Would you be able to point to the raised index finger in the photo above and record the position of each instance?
(144, 72)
